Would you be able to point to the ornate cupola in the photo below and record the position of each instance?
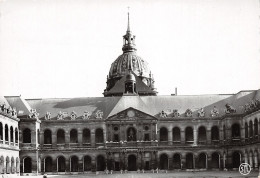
(130, 83)
(129, 39)
(126, 65)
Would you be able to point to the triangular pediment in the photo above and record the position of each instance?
(131, 114)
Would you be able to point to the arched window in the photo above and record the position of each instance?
(61, 164)
(163, 134)
(47, 137)
(176, 134)
(202, 135)
(164, 162)
(2, 160)
(202, 161)
(101, 163)
(60, 136)
(176, 161)
(1, 131)
(189, 161)
(214, 134)
(131, 134)
(48, 164)
(73, 136)
(11, 134)
(256, 128)
(99, 136)
(87, 163)
(27, 165)
(236, 131)
(250, 129)
(189, 135)
(86, 136)
(16, 135)
(8, 167)
(215, 160)
(12, 165)
(246, 131)
(74, 164)
(27, 136)
(236, 159)
(6, 133)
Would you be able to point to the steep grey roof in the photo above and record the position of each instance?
(22, 107)
(152, 105)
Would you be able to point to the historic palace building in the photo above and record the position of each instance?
(130, 128)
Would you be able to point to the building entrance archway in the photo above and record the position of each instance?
(132, 163)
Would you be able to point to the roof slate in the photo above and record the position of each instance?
(152, 105)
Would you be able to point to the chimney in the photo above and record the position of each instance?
(175, 91)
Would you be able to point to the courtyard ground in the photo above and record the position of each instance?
(205, 174)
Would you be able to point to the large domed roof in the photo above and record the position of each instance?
(126, 61)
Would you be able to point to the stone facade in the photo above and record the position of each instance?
(130, 129)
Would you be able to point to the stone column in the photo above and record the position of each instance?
(221, 135)
(54, 139)
(251, 159)
(142, 160)
(182, 136)
(243, 132)
(169, 136)
(33, 138)
(93, 164)
(195, 134)
(92, 137)
(67, 138)
(9, 136)
(4, 134)
(256, 160)
(104, 134)
(170, 163)
(246, 157)
(80, 137)
(139, 160)
(14, 136)
(208, 136)
(42, 137)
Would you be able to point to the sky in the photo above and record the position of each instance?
(64, 48)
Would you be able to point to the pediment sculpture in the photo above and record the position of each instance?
(163, 114)
(48, 116)
(14, 112)
(201, 112)
(3, 108)
(60, 116)
(214, 112)
(73, 115)
(99, 114)
(86, 115)
(229, 109)
(254, 105)
(33, 114)
(176, 113)
(188, 113)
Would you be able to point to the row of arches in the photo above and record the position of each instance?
(189, 134)
(74, 136)
(9, 165)
(202, 133)
(190, 162)
(59, 164)
(251, 129)
(8, 134)
(60, 136)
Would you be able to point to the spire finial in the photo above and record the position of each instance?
(128, 22)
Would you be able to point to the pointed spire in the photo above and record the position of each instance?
(129, 38)
(128, 22)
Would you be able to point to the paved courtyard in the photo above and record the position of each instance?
(206, 174)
